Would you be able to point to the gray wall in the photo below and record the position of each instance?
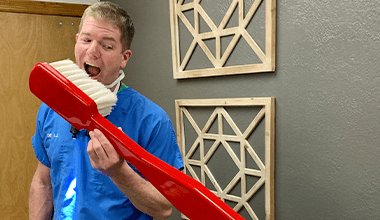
(326, 86)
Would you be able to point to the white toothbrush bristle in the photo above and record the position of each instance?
(61, 63)
(103, 97)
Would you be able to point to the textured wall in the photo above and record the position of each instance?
(327, 100)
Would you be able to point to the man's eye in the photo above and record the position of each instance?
(86, 40)
(107, 47)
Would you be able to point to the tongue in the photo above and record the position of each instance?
(93, 71)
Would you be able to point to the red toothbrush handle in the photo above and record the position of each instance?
(188, 195)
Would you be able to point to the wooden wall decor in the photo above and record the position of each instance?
(218, 58)
(265, 171)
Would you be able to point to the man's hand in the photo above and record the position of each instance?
(103, 155)
(140, 192)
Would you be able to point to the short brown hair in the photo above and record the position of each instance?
(116, 16)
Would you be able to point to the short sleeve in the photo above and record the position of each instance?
(163, 143)
(38, 138)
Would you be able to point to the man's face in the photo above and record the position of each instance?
(98, 50)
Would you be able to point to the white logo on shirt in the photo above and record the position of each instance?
(52, 135)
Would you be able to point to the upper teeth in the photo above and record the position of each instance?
(90, 64)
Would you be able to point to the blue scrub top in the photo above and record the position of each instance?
(81, 192)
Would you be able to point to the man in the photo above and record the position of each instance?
(81, 176)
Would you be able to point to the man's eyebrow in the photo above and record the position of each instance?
(104, 38)
(109, 38)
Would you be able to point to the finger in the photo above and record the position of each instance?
(91, 153)
(107, 146)
(97, 146)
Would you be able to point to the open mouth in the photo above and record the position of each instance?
(91, 69)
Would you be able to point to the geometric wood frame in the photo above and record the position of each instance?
(267, 57)
(265, 172)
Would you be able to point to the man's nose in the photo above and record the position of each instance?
(93, 50)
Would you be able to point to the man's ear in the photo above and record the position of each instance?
(76, 37)
(126, 55)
